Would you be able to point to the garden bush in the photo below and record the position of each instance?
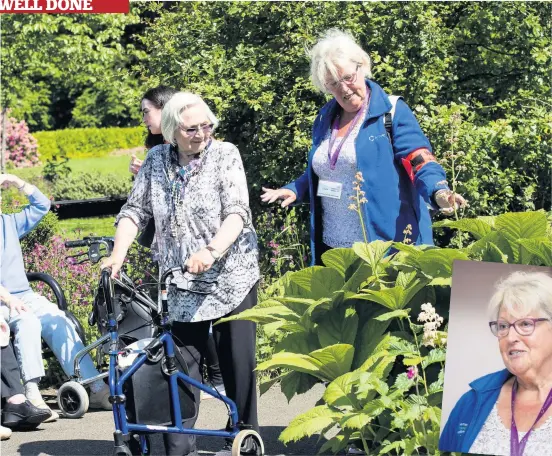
(87, 142)
(22, 151)
(90, 185)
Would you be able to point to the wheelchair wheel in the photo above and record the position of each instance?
(72, 400)
(250, 440)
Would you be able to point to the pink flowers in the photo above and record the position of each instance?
(411, 372)
(22, 146)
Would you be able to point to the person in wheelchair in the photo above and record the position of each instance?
(31, 315)
(195, 190)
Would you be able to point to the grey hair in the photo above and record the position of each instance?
(172, 111)
(523, 293)
(335, 49)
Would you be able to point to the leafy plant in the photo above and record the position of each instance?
(55, 168)
(348, 324)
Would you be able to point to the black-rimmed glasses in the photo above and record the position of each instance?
(523, 326)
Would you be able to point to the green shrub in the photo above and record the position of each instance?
(90, 185)
(87, 142)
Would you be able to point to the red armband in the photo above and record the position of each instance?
(417, 160)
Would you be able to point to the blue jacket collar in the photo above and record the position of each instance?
(491, 381)
(379, 103)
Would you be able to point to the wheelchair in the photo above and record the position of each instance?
(60, 300)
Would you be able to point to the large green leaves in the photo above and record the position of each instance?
(522, 225)
(338, 326)
(317, 282)
(373, 253)
(327, 363)
(344, 261)
(309, 423)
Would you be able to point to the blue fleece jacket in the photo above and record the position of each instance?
(393, 200)
(12, 228)
(471, 411)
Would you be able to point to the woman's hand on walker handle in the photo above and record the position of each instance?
(271, 195)
(200, 261)
(114, 263)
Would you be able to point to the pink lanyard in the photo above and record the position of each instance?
(516, 447)
(335, 129)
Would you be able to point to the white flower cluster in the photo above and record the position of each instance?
(431, 322)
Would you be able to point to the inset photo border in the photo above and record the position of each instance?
(472, 350)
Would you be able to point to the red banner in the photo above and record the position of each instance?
(64, 6)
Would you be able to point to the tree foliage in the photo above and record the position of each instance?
(476, 75)
(69, 70)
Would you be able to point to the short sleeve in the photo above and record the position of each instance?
(138, 207)
(233, 185)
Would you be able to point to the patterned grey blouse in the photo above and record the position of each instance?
(188, 205)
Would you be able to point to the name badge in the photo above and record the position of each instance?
(329, 189)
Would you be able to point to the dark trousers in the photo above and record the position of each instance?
(235, 345)
(11, 377)
(214, 375)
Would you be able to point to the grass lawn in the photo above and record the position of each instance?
(81, 227)
(116, 164)
(78, 228)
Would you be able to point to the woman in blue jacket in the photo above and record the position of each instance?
(396, 175)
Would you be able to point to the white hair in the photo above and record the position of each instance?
(333, 50)
(172, 111)
(523, 293)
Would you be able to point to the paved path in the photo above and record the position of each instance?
(93, 434)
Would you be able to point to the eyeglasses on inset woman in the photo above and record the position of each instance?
(523, 326)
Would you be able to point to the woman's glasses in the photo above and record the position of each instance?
(192, 131)
(347, 79)
(524, 326)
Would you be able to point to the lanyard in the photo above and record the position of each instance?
(516, 447)
(335, 128)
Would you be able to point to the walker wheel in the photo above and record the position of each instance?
(72, 400)
(248, 441)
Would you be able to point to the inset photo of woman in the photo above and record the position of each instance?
(498, 374)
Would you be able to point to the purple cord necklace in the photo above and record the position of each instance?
(335, 129)
(516, 447)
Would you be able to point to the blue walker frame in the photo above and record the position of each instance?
(123, 428)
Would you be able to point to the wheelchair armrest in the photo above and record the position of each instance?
(52, 283)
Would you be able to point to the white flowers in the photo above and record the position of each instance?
(431, 322)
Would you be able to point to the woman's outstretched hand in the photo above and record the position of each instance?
(271, 195)
(449, 201)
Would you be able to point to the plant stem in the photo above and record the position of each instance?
(364, 443)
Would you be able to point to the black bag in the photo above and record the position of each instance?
(147, 393)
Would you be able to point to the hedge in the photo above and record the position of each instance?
(87, 142)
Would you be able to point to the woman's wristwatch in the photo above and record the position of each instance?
(215, 253)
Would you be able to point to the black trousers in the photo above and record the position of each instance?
(212, 362)
(235, 344)
(11, 377)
